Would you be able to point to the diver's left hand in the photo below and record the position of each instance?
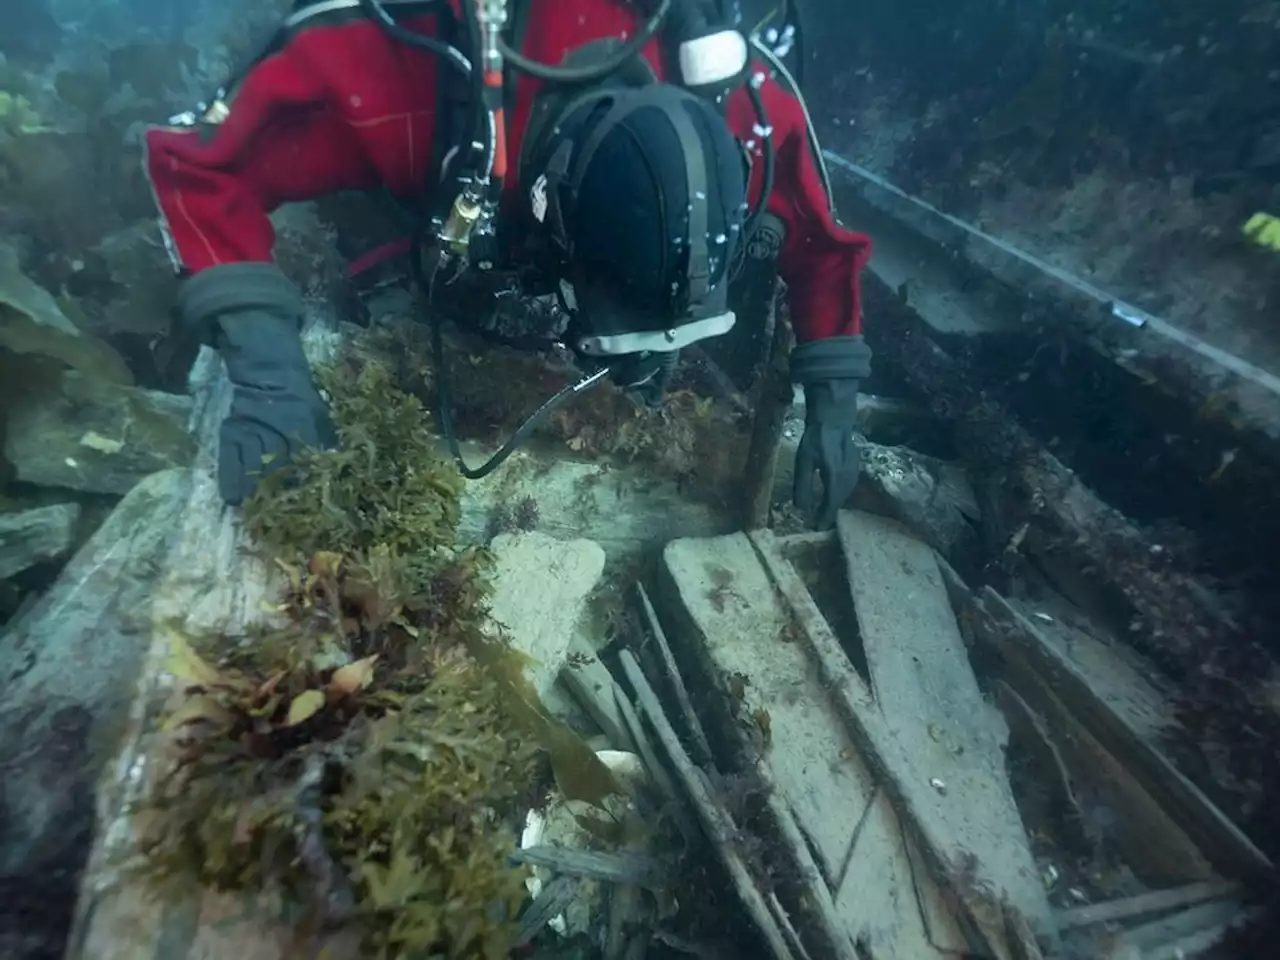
(828, 455)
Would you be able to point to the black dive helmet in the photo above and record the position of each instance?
(640, 190)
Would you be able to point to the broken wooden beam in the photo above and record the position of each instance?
(814, 889)
(628, 867)
(772, 712)
(593, 688)
(1220, 839)
(1039, 504)
(1033, 290)
(1039, 515)
(674, 677)
(808, 722)
(715, 820)
(1190, 932)
(1147, 904)
(959, 844)
(204, 582)
(71, 663)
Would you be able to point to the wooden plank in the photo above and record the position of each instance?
(1221, 840)
(735, 621)
(1183, 934)
(592, 687)
(1151, 842)
(1145, 904)
(1121, 677)
(715, 820)
(659, 637)
(941, 925)
(920, 672)
(897, 897)
(740, 626)
(928, 697)
(1203, 942)
(811, 884)
(955, 860)
(773, 400)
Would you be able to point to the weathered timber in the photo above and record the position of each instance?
(630, 868)
(1039, 293)
(775, 707)
(654, 765)
(772, 402)
(1030, 734)
(1037, 504)
(1152, 588)
(1147, 904)
(593, 688)
(1048, 732)
(1220, 840)
(551, 902)
(921, 677)
(714, 818)
(953, 840)
(726, 615)
(929, 698)
(203, 583)
(1188, 933)
(674, 676)
(70, 664)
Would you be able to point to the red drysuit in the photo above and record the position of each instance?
(345, 107)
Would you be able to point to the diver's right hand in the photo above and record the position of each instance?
(253, 314)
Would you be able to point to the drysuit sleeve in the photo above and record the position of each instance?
(340, 107)
(820, 260)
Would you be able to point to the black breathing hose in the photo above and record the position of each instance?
(444, 400)
(595, 72)
(454, 57)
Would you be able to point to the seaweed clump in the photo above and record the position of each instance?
(686, 438)
(359, 762)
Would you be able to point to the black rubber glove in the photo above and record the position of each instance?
(252, 314)
(830, 372)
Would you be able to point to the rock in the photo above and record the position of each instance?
(70, 665)
(540, 590)
(135, 267)
(34, 536)
(31, 322)
(97, 437)
(622, 507)
(931, 497)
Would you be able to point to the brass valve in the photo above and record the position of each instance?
(461, 223)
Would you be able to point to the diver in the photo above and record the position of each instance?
(625, 157)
